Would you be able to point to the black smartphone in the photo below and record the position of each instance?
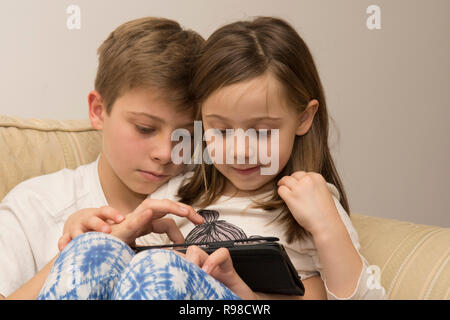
(264, 266)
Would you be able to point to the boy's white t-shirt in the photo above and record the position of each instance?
(32, 217)
(232, 218)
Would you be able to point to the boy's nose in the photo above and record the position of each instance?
(162, 149)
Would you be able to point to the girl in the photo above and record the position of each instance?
(260, 75)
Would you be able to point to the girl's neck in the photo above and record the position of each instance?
(231, 191)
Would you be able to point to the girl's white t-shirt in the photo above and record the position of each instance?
(32, 217)
(232, 218)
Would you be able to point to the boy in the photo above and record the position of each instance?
(141, 95)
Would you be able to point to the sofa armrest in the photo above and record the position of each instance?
(413, 258)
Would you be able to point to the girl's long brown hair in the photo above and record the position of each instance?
(241, 51)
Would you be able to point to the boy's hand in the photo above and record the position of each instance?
(220, 266)
(148, 218)
(92, 219)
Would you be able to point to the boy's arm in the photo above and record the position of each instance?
(30, 290)
(17, 263)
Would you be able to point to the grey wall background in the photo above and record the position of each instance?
(388, 90)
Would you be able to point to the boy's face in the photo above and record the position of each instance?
(137, 138)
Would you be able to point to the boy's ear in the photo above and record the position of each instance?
(307, 117)
(97, 109)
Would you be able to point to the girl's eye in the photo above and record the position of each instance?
(259, 132)
(263, 132)
(144, 130)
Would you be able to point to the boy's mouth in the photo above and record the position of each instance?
(153, 176)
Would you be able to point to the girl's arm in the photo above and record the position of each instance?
(343, 269)
(341, 264)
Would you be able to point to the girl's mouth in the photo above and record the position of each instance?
(247, 171)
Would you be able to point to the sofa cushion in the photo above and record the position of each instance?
(32, 147)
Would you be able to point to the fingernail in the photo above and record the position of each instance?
(120, 218)
(185, 210)
(206, 268)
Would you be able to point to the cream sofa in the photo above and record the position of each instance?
(413, 258)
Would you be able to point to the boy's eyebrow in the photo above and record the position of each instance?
(251, 119)
(188, 124)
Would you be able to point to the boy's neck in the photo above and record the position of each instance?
(117, 194)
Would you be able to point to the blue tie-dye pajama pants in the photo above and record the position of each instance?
(101, 267)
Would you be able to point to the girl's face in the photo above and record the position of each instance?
(259, 104)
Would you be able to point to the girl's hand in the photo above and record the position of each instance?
(307, 196)
(219, 265)
(148, 218)
(92, 219)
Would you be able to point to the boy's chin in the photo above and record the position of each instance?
(148, 188)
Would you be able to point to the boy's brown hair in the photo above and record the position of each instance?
(148, 52)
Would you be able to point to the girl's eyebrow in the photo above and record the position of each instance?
(251, 119)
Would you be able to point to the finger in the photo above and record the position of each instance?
(193, 214)
(299, 174)
(284, 192)
(288, 181)
(162, 207)
(168, 226)
(76, 232)
(139, 219)
(196, 255)
(221, 257)
(110, 213)
(64, 241)
(94, 223)
(139, 223)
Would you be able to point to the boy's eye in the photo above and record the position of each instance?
(144, 130)
(222, 132)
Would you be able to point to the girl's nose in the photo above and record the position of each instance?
(242, 148)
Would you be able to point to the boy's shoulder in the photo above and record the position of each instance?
(54, 191)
